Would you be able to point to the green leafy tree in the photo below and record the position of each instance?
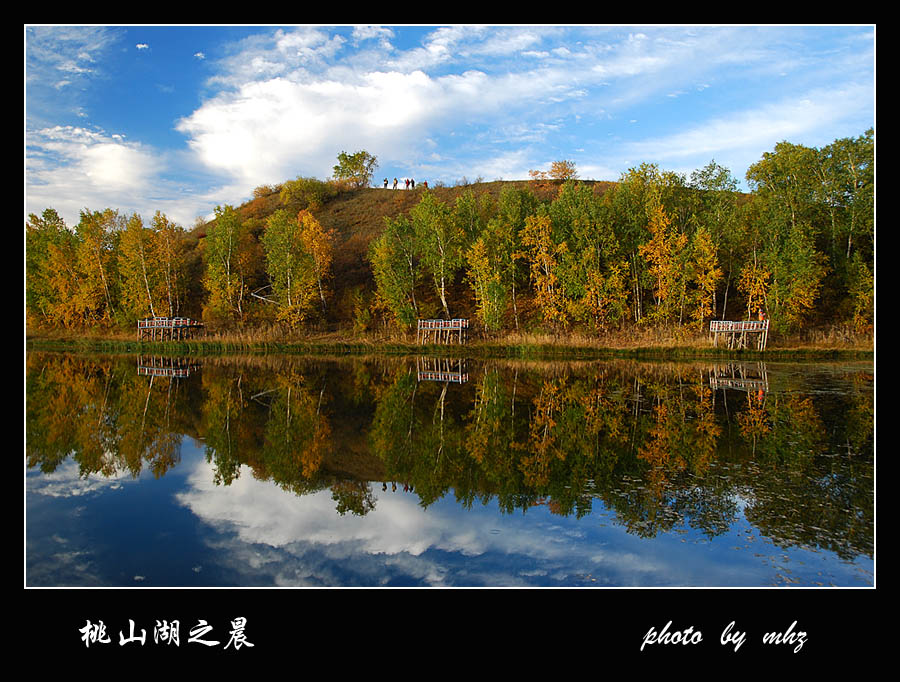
(357, 168)
(440, 242)
(290, 268)
(306, 193)
(227, 257)
(394, 261)
(715, 209)
(784, 187)
(513, 207)
(40, 233)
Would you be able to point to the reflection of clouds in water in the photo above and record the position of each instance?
(66, 481)
(267, 535)
(62, 556)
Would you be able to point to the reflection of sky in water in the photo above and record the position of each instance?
(182, 529)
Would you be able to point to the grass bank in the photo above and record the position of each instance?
(644, 344)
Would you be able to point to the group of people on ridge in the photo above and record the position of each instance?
(410, 183)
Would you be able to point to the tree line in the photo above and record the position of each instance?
(657, 248)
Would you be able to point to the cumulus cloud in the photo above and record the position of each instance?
(267, 127)
(71, 168)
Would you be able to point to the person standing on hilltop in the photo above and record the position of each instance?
(395, 183)
(407, 183)
(385, 183)
(412, 183)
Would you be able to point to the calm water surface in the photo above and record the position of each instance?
(286, 471)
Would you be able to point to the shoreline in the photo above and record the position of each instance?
(535, 349)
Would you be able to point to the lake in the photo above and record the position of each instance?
(276, 470)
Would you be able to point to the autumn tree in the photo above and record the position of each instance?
(51, 279)
(542, 255)
(704, 274)
(96, 234)
(663, 253)
(563, 170)
(319, 244)
(171, 254)
(754, 284)
(861, 295)
(485, 275)
(138, 269)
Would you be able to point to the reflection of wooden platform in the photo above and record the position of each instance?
(163, 328)
(442, 369)
(155, 366)
(741, 376)
(737, 334)
(442, 331)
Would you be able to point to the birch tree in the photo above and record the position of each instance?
(440, 242)
(137, 269)
(290, 268)
(227, 245)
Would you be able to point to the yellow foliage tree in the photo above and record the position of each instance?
(319, 244)
(663, 254)
(705, 275)
(542, 254)
(753, 283)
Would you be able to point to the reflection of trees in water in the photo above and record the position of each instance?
(659, 444)
(274, 423)
(103, 414)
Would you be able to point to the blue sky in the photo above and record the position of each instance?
(181, 119)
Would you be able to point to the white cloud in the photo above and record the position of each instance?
(71, 168)
(271, 129)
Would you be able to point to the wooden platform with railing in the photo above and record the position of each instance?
(442, 331)
(167, 328)
(738, 334)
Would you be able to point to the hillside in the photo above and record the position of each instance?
(357, 217)
(650, 251)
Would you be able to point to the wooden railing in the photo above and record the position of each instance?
(736, 332)
(161, 328)
(442, 331)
